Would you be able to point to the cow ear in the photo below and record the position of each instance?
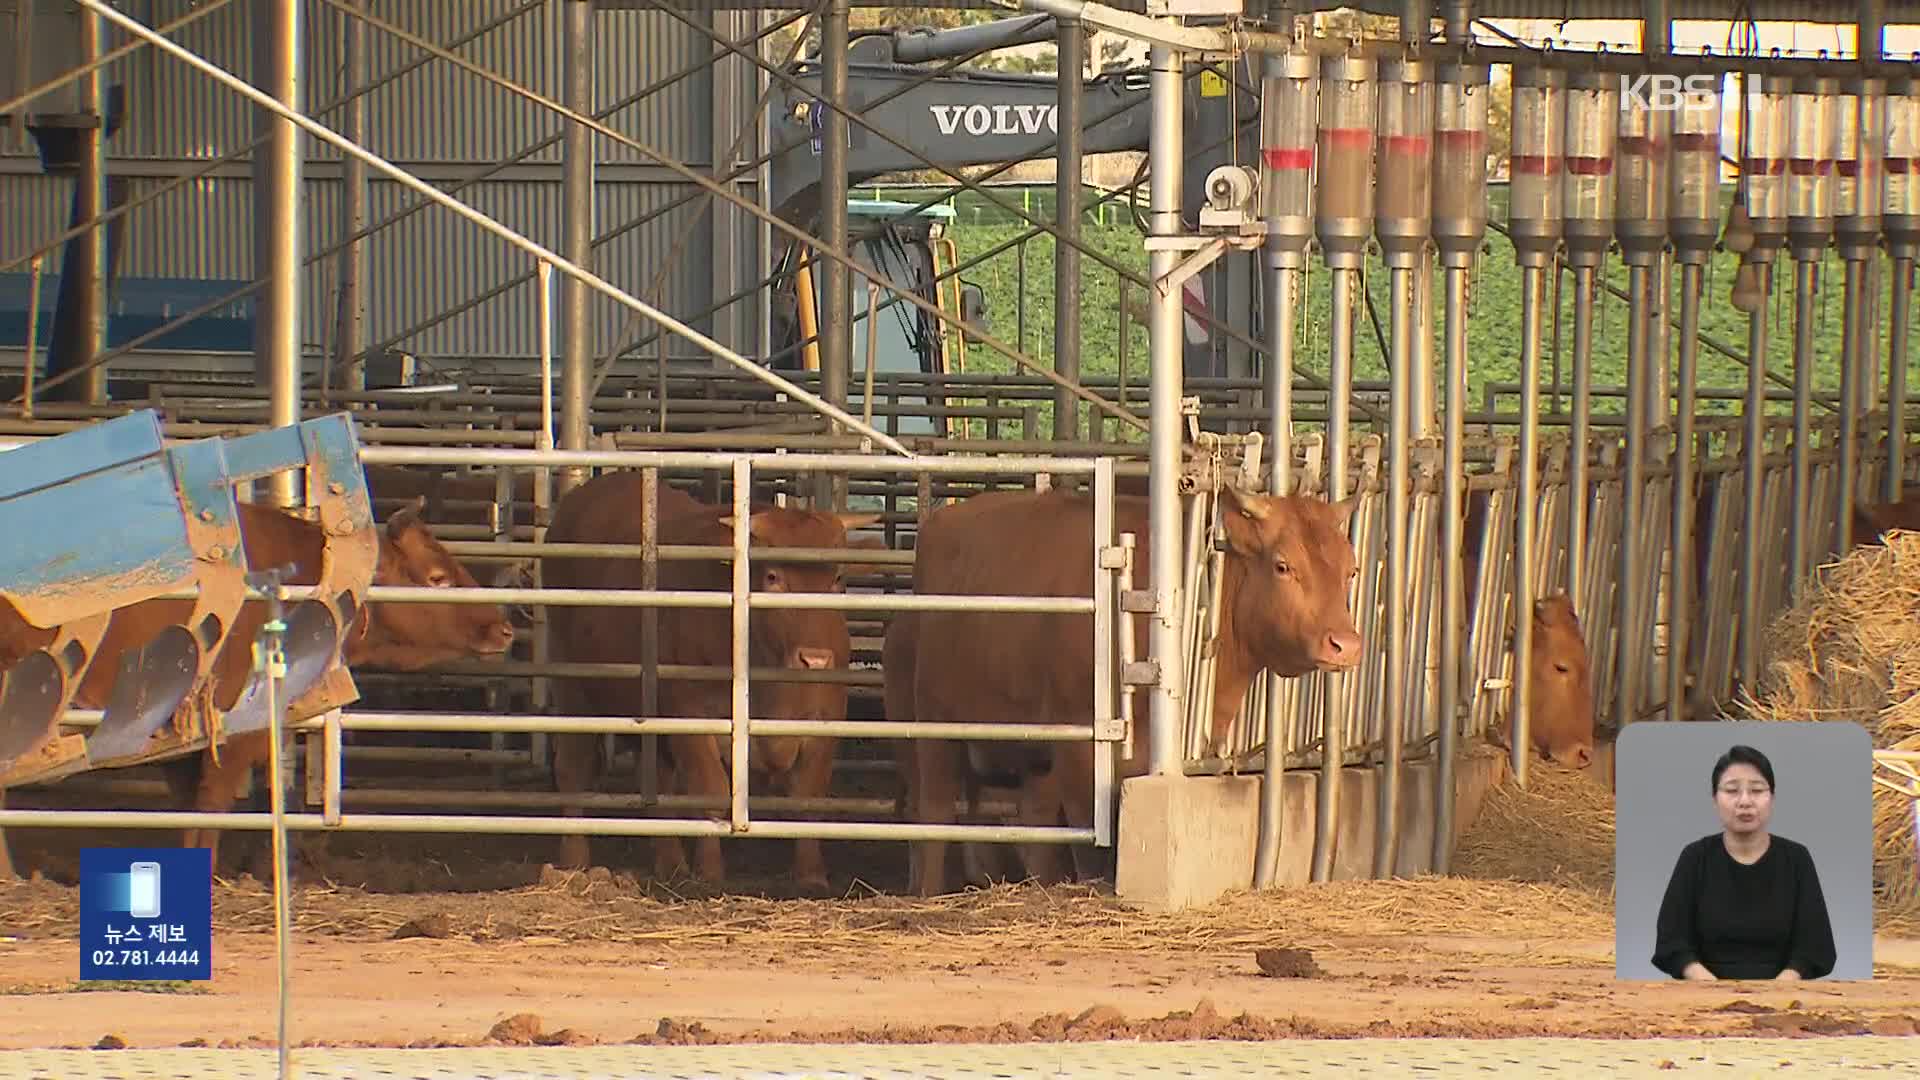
(405, 518)
(851, 522)
(1241, 515)
(1244, 503)
(1341, 513)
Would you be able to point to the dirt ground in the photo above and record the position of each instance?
(404, 940)
(592, 958)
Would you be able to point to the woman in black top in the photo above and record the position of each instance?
(1743, 903)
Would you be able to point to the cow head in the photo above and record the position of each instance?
(412, 636)
(1560, 695)
(798, 638)
(1294, 565)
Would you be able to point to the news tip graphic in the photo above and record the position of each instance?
(146, 913)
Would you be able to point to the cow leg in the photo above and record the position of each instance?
(576, 765)
(217, 791)
(1040, 807)
(810, 778)
(1073, 788)
(698, 759)
(669, 854)
(937, 766)
(979, 862)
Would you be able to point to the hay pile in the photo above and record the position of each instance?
(1558, 830)
(1850, 651)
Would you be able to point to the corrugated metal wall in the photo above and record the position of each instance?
(445, 123)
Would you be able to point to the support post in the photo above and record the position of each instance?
(1900, 327)
(576, 360)
(1630, 685)
(350, 337)
(1066, 257)
(278, 220)
(1806, 285)
(836, 358)
(1179, 843)
(91, 202)
(1680, 558)
(1656, 41)
(1452, 543)
(1165, 378)
(1579, 436)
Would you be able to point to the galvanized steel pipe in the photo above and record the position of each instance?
(279, 226)
(1288, 123)
(1066, 253)
(576, 317)
(1403, 223)
(1680, 564)
(1166, 372)
(350, 337)
(1343, 221)
(836, 302)
(1806, 284)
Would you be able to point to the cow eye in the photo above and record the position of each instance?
(770, 579)
(438, 578)
(1282, 567)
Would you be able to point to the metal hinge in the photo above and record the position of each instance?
(1138, 601)
(1140, 673)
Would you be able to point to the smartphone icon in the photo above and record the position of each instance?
(143, 891)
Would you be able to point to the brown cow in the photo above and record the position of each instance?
(1288, 568)
(1560, 687)
(1870, 520)
(602, 511)
(1560, 690)
(401, 636)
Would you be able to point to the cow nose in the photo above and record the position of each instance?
(815, 659)
(1340, 649)
(1582, 757)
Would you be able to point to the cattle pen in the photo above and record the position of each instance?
(369, 263)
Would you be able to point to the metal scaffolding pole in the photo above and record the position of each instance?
(836, 340)
(90, 318)
(350, 340)
(278, 220)
(1066, 254)
(538, 251)
(576, 319)
(1165, 376)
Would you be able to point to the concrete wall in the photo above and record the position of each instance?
(1186, 840)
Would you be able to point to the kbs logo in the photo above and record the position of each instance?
(1665, 93)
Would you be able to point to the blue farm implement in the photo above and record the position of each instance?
(123, 571)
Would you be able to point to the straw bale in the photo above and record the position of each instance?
(1558, 830)
(1850, 651)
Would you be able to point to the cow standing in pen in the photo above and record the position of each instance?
(606, 511)
(1288, 570)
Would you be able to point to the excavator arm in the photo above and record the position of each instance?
(971, 117)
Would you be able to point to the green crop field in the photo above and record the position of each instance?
(1494, 303)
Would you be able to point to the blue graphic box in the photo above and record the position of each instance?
(146, 913)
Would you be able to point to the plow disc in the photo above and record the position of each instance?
(143, 617)
(92, 523)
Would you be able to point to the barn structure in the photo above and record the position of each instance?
(518, 242)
